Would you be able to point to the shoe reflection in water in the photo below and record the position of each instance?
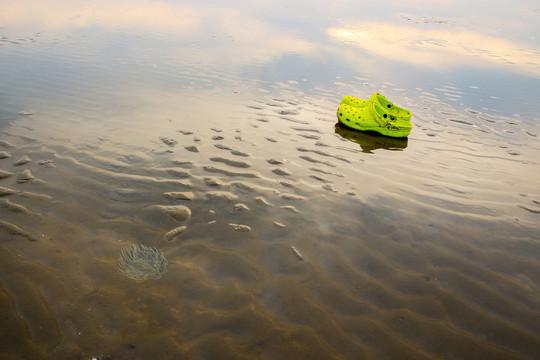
(370, 141)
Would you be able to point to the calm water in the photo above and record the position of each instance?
(304, 239)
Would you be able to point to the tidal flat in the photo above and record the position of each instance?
(209, 132)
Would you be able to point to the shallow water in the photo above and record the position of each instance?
(305, 239)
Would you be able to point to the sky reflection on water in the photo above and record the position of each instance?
(435, 34)
(484, 57)
(67, 49)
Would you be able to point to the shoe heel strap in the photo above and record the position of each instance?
(379, 114)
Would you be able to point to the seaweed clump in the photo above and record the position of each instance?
(139, 262)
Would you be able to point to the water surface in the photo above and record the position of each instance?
(305, 239)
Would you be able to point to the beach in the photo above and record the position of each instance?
(286, 234)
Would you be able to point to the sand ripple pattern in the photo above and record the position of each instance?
(284, 238)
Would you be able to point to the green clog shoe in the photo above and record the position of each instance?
(380, 99)
(373, 117)
(390, 108)
(354, 101)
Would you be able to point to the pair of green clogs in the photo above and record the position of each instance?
(375, 114)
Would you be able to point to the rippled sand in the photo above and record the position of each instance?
(301, 239)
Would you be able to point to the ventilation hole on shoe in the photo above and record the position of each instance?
(358, 124)
(347, 119)
(340, 114)
(359, 117)
(389, 106)
(385, 116)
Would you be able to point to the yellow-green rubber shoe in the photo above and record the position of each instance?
(373, 117)
(354, 101)
(390, 108)
(380, 99)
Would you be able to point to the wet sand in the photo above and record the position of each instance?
(189, 129)
(285, 236)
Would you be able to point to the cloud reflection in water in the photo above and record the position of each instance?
(255, 39)
(249, 39)
(439, 48)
